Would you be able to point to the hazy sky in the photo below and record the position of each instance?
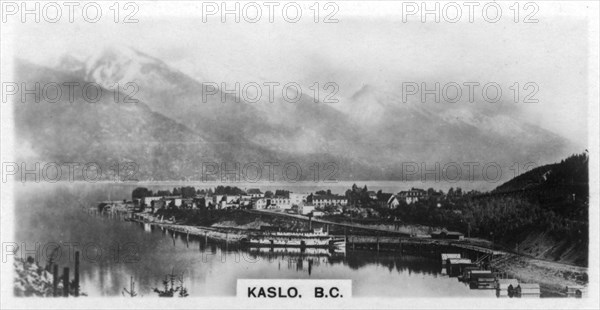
(369, 45)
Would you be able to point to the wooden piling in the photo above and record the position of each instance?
(66, 282)
(55, 281)
(345, 234)
(76, 281)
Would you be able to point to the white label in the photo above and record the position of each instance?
(289, 289)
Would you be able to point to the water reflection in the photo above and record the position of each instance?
(147, 253)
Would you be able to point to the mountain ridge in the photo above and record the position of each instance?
(366, 143)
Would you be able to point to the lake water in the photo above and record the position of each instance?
(114, 251)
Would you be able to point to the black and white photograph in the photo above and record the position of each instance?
(299, 154)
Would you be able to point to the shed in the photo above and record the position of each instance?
(466, 272)
(482, 279)
(528, 290)
(447, 235)
(476, 274)
(506, 287)
(456, 266)
(576, 291)
(454, 261)
(504, 283)
(455, 236)
(446, 256)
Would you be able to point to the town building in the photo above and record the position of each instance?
(305, 209)
(260, 203)
(255, 193)
(202, 201)
(413, 195)
(226, 201)
(393, 202)
(328, 200)
(116, 206)
(189, 203)
(148, 200)
(177, 200)
(280, 202)
(383, 199)
(297, 198)
(156, 205)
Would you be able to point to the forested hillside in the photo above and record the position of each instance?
(541, 213)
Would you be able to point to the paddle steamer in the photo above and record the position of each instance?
(273, 237)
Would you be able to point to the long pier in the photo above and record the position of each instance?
(388, 240)
(421, 246)
(478, 248)
(359, 237)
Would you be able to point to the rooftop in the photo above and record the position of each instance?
(328, 197)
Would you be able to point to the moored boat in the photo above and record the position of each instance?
(316, 238)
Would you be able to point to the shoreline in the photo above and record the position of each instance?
(198, 231)
(553, 277)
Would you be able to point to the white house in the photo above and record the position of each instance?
(177, 200)
(260, 203)
(329, 200)
(281, 203)
(413, 195)
(393, 202)
(302, 209)
(150, 199)
(297, 198)
(226, 198)
(255, 193)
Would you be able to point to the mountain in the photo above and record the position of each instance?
(558, 194)
(110, 131)
(430, 132)
(562, 187)
(104, 132)
(369, 135)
